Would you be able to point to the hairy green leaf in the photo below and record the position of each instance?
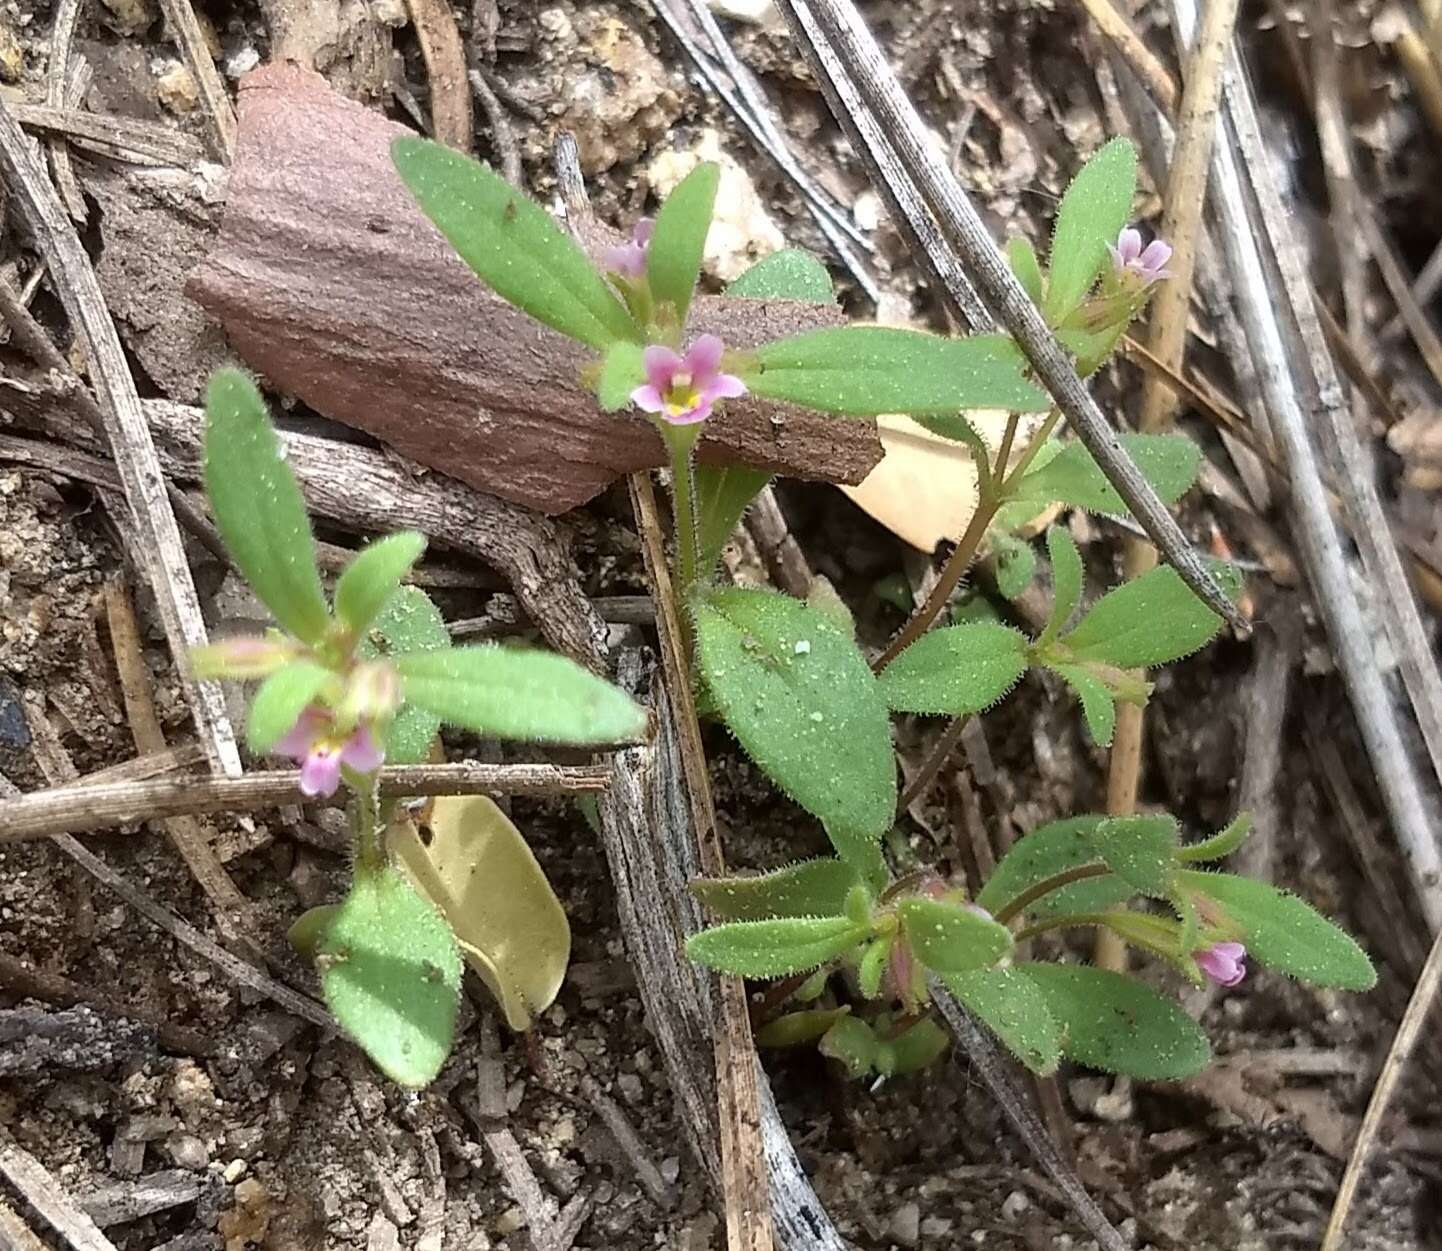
(512, 244)
(409, 622)
(1022, 258)
(861, 371)
(1093, 211)
(797, 1028)
(958, 429)
(1013, 1007)
(872, 967)
(916, 1048)
(1045, 853)
(673, 257)
(951, 938)
(372, 577)
(1151, 620)
(1066, 578)
(391, 973)
(258, 507)
(513, 693)
(790, 274)
(1221, 844)
(1170, 462)
(798, 694)
(1284, 933)
(723, 494)
(1098, 704)
(810, 888)
(1120, 1025)
(622, 371)
(955, 670)
(774, 948)
(281, 699)
(1015, 564)
(853, 1042)
(1141, 850)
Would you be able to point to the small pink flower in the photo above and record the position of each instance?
(313, 745)
(682, 389)
(1133, 261)
(628, 260)
(1224, 963)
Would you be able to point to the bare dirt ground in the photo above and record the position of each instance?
(251, 1129)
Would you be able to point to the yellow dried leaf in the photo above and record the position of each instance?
(478, 870)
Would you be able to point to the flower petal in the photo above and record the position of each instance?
(661, 364)
(362, 752)
(1155, 256)
(724, 387)
(648, 398)
(642, 231)
(691, 416)
(1129, 244)
(320, 772)
(704, 359)
(296, 741)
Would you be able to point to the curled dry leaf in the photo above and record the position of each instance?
(478, 870)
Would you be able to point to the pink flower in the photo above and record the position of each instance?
(1132, 261)
(629, 259)
(1224, 963)
(682, 389)
(313, 744)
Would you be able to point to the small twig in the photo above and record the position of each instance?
(160, 549)
(1424, 996)
(939, 754)
(785, 561)
(57, 95)
(1117, 28)
(503, 138)
(15, 1234)
(1264, 703)
(445, 58)
(48, 1198)
(122, 138)
(662, 1194)
(185, 30)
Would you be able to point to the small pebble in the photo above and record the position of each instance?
(905, 1226)
(1014, 1205)
(234, 1171)
(187, 1151)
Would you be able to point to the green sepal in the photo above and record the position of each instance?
(1283, 932)
(1047, 852)
(281, 699)
(810, 888)
(1118, 1024)
(955, 670)
(1093, 212)
(863, 371)
(368, 582)
(950, 938)
(673, 257)
(515, 693)
(258, 506)
(1066, 578)
(1014, 1008)
(1221, 844)
(1141, 850)
(799, 696)
(789, 274)
(775, 948)
(391, 973)
(512, 244)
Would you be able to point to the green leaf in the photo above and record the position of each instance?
(723, 493)
(955, 670)
(369, 581)
(1221, 844)
(1022, 258)
(1066, 578)
(308, 930)
(873, 967)
(958, 429)
(508, 692)
(391, 973)
(774, 948)
(512, 244)
(622, 371)
(1120, 1025)
(1284, 933)
(790, 274)
(853, 1043)
(1093, 211)
(1151, 620)
(797, 1028)
(1045, 853)
(1141, 850)
(673, 257)
(1170, 462)
(950, 938)
(798, 694)
(258, 506)
(1015, 564)
(915, 1049)
(409, 622)
(1098, 705)
(1015, 1010)
(861, 371)
(281, 699)
(809, 888)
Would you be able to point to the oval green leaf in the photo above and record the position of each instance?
(1015, 1010)
(810, 888)
(1047, 852)
(369, 581)
(1093, 211)
(774, 948)
(956, 670)
(1141, 850)
(673, 257)
(409, 622)
(1170, 462)
(789, 274)
(950, 938)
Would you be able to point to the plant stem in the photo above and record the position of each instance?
(681, 440)
(991, 496)
(1073, 920)
(370, 856)
(1012, 910)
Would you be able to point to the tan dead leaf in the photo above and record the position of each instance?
(924, 488)
(483, 877)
